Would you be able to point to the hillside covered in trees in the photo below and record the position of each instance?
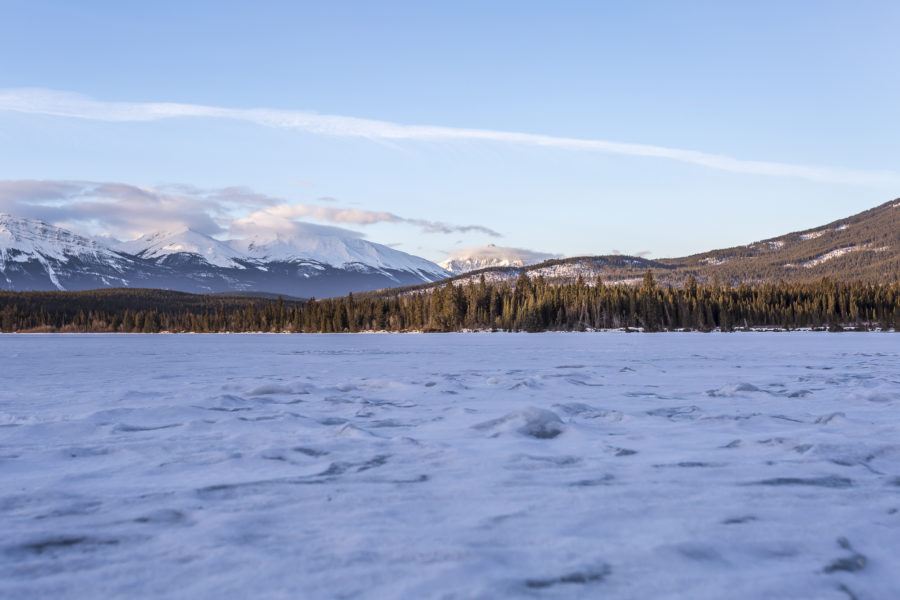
(528, 305)
(140, 311)
(863, 247)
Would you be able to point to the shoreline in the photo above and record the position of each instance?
(623, 330)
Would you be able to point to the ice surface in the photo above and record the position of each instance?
(762, 465)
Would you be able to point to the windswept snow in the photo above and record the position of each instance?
(450, 466)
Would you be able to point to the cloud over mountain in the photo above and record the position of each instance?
(127, 211)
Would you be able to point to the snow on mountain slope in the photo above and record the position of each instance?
(23, 238)
(300, 260)
(301, 243)
(33, 248)
(480, 257)
(305, 242)
(185, 241)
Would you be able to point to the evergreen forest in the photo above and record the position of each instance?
(526, 305)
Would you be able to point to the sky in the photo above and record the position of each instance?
(566, 128)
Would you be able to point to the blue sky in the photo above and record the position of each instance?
(808, 88)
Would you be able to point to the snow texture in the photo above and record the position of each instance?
(610, 465)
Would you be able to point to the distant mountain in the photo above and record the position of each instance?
(312, 260)
(481, 257)
(865, 246)
(38, 256)
(308, 261)
(178, 246)
(329, 246)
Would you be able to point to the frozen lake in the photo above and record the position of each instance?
(450, 466)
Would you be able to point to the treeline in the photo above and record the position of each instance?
(141, 311)
(528, 305)
(535, 305)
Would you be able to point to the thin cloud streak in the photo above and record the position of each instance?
(368, 217)
(66, 104)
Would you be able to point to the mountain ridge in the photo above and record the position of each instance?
(862, 247)
(35, 255)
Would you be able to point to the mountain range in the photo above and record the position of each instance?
(313, 260)
(864, 247)
(307, 260)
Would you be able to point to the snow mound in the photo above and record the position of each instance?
(534, 422)
(733, 389)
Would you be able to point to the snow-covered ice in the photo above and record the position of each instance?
(613, 465)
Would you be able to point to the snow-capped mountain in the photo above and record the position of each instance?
(25, 237)
(166, 246)
(308, 243)
(481, 257)
(307, 261)
(36, 255)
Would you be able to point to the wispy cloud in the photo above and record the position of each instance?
(358, 216)
(66, 104)
(127, 211)
(122, 210)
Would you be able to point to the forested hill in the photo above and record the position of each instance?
(530, 305)
(863, 247)
(130, 310)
